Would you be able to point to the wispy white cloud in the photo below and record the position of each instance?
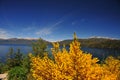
(44, 31)
(4, 34)
(48, 30)
(102, 37)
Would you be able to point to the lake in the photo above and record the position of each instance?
(25, 49)
(4, 49)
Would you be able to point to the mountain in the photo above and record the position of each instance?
(90, 42)
(18, 41)
(96, 43)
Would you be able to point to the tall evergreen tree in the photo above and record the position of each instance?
(39, 47)
(14, 58)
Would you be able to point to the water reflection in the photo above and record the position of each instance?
(96, 52)
(4, 49)
(102, 53)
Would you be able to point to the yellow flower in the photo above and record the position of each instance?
(73, 65)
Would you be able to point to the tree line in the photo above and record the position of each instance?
(96, 43)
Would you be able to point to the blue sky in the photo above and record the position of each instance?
(55, 20)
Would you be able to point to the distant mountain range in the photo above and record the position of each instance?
(17, 41)
(90, 42)
(96, 43)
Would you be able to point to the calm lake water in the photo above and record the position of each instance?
(25, 49)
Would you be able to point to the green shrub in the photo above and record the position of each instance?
(17, 73)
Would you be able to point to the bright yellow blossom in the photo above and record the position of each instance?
(73, 65)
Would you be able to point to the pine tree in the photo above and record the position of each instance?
(39, 48)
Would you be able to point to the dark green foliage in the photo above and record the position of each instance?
(96, 43)
(26, 63)
(18, 58)
(39, 47)
(17, 65)
(14, 58)
(17, 73)
(1, 66)
(10, 57)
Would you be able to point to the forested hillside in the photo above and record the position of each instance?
(18, 41)
(91, 42)
(96, 42)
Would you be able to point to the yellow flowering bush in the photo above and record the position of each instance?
(73, 64)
